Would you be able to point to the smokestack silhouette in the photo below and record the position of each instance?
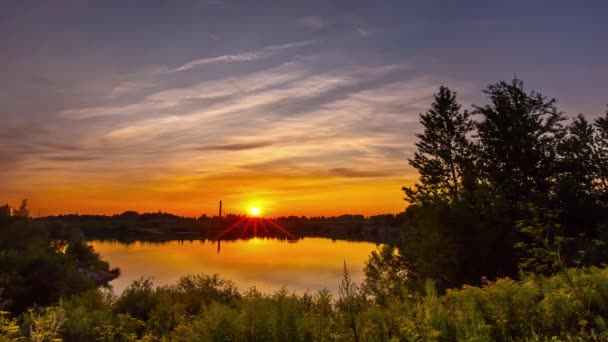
(220, 209)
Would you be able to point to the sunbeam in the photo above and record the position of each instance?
(251, 227)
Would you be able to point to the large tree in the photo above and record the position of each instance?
(518, 135)
(446, 235)
(444, 151)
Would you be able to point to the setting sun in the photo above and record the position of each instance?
(254, 211)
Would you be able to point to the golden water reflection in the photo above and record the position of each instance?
(308, 264)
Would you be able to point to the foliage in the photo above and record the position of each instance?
(350, 304)
(44, 325)
(386, 274)
(518, 160)
(38, 270)
(138, 300)
(571, 305)
(443, 158)
(545, 245)
(518, 135)
(9, 328)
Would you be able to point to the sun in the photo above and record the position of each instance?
(254, 211)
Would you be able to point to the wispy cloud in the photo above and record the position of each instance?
(242, 57)
(236, 147)
(291, 45)
(362, 32)
(68, 158)
(314, 23)
(247, 56)
(166, 100)
(354, 173)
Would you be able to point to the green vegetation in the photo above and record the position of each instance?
(38, 270)
(206, 308)
(503, 240)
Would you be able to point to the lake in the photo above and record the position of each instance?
(268, 264)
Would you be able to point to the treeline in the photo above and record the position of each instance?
(132, 226)
(510, 186)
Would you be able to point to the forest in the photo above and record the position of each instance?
(503, 238)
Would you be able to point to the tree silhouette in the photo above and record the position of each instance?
(518, 135)
(579, 155)
(23, 210)
(459, 228)
(444, 151)
(5, 210)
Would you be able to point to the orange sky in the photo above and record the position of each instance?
(189, 196)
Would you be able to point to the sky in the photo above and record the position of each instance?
(297, 107)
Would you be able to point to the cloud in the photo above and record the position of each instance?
(124, 88)
(362, 32)
(314, 23)
(168, 100)
(242, 57)
(71, 158)
(291, 45)
(251, 103)
(353, 173)
(248, 56)
(315, 121)
(236, 147)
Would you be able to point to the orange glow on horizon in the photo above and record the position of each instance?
(273, 196)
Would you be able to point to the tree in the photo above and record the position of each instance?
(22, 211)
(5, 210)
(518, 135)
(385, 275)
(576, 193)
(351, 303)
(601, 142)
(460, 228)
(578, 153)
(444, 151)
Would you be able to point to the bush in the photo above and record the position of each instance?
(568, 306)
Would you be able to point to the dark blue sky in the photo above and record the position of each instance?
(329, 90)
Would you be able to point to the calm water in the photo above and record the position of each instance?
(308, 264)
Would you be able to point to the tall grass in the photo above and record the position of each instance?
(570, 306)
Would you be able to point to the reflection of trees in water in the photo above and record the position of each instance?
(159, 227)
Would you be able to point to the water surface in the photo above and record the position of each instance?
(267, 264)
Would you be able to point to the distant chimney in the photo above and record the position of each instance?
(220, 209)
